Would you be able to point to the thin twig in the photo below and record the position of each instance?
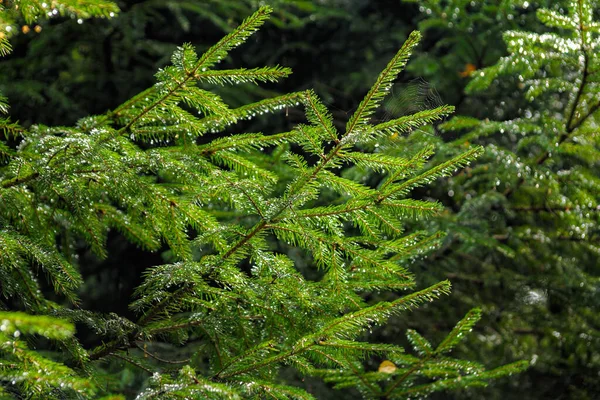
(131, 361)
(157, 358)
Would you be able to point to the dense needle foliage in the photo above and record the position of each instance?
(524, 220)
(229, 300)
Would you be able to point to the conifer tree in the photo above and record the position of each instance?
(228, 300)
(524, 237)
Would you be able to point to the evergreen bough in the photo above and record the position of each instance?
(231, 301)
(525, 226)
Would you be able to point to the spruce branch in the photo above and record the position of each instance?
(460, 330)
(388, 190)
(388, 392)
(460, 381)
(382, 85)
(20, 180)
(410, 122)
(220, 208)
(243, 75)
(419, 343)
(572, 122)
(209, 58)
(318, 112)
(350, 324)
(7, 128)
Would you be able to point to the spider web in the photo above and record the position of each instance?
(405, 98)
(408, 98)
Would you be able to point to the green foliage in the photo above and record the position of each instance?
(121, 54)
(407, 375)
(462, 37)
(13, 11)
(229, 298)
(525, 237)
(27, 371)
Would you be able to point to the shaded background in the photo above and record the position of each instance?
(75, 68)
